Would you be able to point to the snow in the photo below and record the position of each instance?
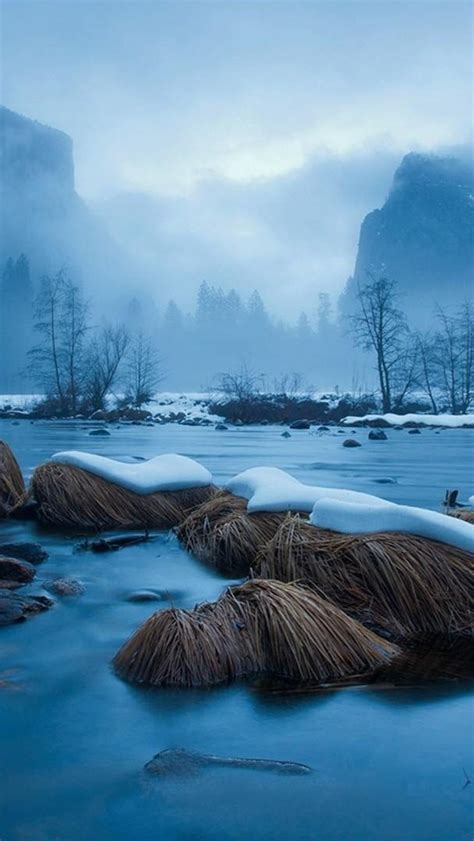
(349, 518)
(19, 402)
(271, 489)
(451, 421)
(193, 405)
(169, 472)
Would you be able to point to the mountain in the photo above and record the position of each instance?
(42, 216)
(43, 219)
(422, 237)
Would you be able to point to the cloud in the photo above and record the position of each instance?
(290, 236)
(245, 140)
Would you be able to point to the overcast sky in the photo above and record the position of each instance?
(263, 131)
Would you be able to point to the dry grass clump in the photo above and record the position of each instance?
(12, 486)
(399, 582)
(466, 514)
(224, 535)
(72, 497)
(260, 626)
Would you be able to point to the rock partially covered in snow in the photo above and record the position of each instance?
(271, 489)
(349, 518)
(169, 472)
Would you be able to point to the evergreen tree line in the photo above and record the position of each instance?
(226, 331)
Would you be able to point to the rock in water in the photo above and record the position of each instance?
(12, 569)
(65, 587)
(182, 762)
(377, 435)
(102, 432)
(351, 442)
(31, 552)
(16, 608)
(300, 424)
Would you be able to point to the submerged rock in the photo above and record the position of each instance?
(152, 596)
(102, 432)
(65, 587)
(351, 442)
(414, 431)
(145, 596)
(286, 434)
(16, 608)
(182, 762)
(221, 427)
(300, 424)
(31, 552)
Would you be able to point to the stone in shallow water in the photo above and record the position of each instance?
(65, 586)
(152, 596)
(15, 607)
(351, 442)
(182, 762)
(377, 435)
(31, 552)
(102, 432)
(15, 570)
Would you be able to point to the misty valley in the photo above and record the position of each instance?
(236, 421)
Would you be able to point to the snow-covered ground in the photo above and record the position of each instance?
(168, 472)
(450, 421)
(19, 402)
(193, 405)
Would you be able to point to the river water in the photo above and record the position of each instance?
(388, 762)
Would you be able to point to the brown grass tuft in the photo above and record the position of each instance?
(399, 582)
(12, 487)
(260, 626)
(72, 497)
(224, 535)
(466, 514)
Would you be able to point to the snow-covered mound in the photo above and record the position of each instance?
(451, 421)
(169, 472)
(349, 518)
(271, 489)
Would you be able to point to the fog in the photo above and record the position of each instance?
(239, 143)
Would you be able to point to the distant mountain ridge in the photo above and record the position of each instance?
(41, 215)
(423, 236)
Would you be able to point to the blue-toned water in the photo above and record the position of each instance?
(388, 761)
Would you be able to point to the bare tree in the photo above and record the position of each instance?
(381, 327)
(453, 349)
(58, 360)
(240, 385)
(74, 330)
(292, 385)
(105, 357)
(144, 370)
(427, 372)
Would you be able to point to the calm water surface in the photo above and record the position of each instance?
(388, 762)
